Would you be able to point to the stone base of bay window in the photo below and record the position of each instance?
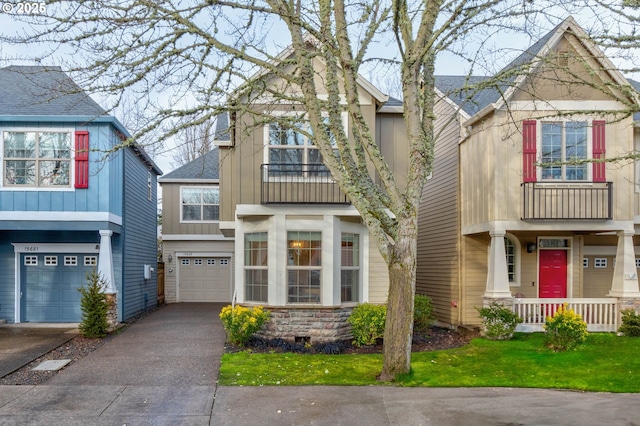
(308, 324)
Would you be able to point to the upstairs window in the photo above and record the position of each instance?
(562, 143)
(37, 159)
(200, 204)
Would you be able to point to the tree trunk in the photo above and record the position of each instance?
(398, 332)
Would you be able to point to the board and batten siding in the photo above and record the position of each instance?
(140, 238)
(102, 195)
(438, 231)
(378, 275)
(172, 205)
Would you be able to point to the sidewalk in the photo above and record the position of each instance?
(162, 370)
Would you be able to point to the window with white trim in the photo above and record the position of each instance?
(224, 261)
(51, 261)
(562, 143)
(200, 204)
(71, 261)
(36, 159)
(349, 267)
(197, 261)
(637, 262)
(510, 253)
(304, 266)
(90, 260)
(31, 261)
(585, 262)
(185, 262)
(211, 261)
(256, 271)
(600, 262)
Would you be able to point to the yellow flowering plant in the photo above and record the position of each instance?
(240, 322)
(565, 329)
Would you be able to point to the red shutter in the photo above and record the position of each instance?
(529, 151)
(599, 169)
(82, 159)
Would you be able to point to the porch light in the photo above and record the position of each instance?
(531, 247)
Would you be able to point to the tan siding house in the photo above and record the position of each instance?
(509, 215)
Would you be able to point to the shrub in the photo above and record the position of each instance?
(423, 312)
(498, 322)
(565, 330)
(241, 323)
(367, 323)
(630, 323)
(94, 307)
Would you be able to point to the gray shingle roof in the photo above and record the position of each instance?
(204, 167)
(42, 90)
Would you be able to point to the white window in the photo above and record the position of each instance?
(184, 261)
(256, 271)
(200, 204)
(304, 266)
(637, 262)
(197, 261)
(600, 262)
(36, 159)
(51, 260)
(90, 260)
(31, 260)
(563, 142)
(349, 267)
(512, 254)
(211, 261)
(224, 261)
(71, 261)
(585, 262)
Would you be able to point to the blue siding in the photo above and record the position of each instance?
(139, 246)
(7, 281)
(105, 180)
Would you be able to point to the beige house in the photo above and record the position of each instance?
(505, 217)
(301, 249)
(198, 258)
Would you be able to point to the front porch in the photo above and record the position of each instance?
(601, 315)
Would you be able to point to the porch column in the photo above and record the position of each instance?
(105, 262)
(497, 275)
(625, 273)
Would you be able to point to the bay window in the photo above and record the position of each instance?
(304, 265)
(256, 251)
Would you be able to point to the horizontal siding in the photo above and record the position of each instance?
(438, 233)
(378, 275)
(474, 281)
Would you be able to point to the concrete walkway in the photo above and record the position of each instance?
(162, 371)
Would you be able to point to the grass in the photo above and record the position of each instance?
(605, 363)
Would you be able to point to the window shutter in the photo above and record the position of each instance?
(82, 159)
(529, 151)
(599, 169)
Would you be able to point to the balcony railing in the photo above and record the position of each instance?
(299, 184)
(567, 201)
(599, 314)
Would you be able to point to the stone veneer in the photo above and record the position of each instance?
(112, 312)
(308, 324)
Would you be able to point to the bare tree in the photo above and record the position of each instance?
(173, 54)
(193, 142)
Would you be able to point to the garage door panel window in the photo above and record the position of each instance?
(200, 204)
(70, 261)
(90, 260)
(256, 270)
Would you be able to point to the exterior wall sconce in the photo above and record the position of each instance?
(531, 247)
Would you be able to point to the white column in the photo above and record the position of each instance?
(497, 275)
(625, 273)
(105, 262)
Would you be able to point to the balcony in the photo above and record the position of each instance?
(567, 201)
(299, 184)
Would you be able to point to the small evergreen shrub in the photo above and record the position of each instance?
(498, 322)
(630, 323)
(367, 323)
(94, 307)
(565, 330)
(423, 312)
(241, 323)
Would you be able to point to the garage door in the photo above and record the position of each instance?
(49, 285)
(204, 279)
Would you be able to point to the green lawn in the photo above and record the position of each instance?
(605, 363)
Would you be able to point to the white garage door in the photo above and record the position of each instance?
(204, 279)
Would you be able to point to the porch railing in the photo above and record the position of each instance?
(567, 201)
(299, 184)
(599, 314)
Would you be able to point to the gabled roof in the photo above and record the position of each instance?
(41, 90)
(202, 169)
(477, 93)
(222, 135)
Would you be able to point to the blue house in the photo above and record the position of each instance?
(69, 202)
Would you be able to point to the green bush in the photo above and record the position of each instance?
(498, 322)
(423, 312)
(94, 307)
(367, 323)
(565, 330)
(241, 323)
(630, 323)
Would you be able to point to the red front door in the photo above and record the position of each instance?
(553, 274)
